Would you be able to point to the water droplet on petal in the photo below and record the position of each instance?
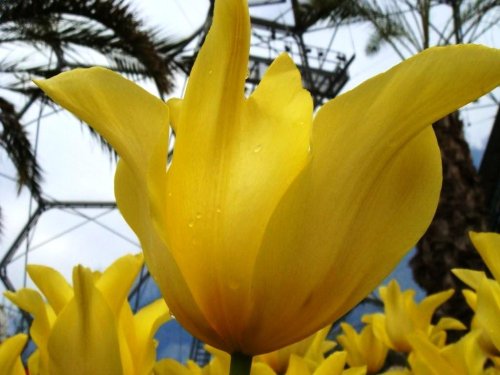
(210, 72)
(218, 210)
(191, 224)
(198, 215)
(257, 149)
(233, 284)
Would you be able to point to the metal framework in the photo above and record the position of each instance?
(42, 206)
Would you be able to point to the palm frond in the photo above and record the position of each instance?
(14, 139)
(56, 35)
(110, 28)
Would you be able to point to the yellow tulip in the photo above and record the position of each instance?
(333, 365)
(403, 316)
(461, 358)
(488, 246)
(90, 328)
(10, 355)
(363, 349)
(170, 366)
(268, 224)
(312, 350)
(486, 300)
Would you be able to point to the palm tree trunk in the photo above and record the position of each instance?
(461, 208)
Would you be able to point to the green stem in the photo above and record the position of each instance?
(240, 364)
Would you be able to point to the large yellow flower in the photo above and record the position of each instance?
(269, 224)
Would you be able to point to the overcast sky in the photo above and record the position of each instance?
(75, 168)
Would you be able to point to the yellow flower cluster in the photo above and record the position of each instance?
(311, 356)
(405, 327)
(89, 329)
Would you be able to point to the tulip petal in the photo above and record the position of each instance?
(447, 323)
(260, 368)
(430, 304)
(488, 309)
(132, 120)
(52, 284)
(146, 322)
(466, 353)
(488, 245)
(365, 198)
(84, 339)
(470, 277)
(333, 365)
(234, 158)
(116, 280)
(426, 357)
(170, 366)
(217, 79)
(43, 316)
(297, 366)
(126, 115)
(10, 355)
(325, 262)
(131, 195)
(471, 298)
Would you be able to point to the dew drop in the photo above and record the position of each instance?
(210, 72)
(257, 149)
(233, 285)
(198, 216)
(218, 210)
(169, 194)
(191, 224)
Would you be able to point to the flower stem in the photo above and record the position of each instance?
(240, 364)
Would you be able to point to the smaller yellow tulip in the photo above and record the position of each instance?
(486, 299)
(363, 349)
(90, 328)
(403, 316)
(10, 355)
(170, 366)
(488, 246)
(312, 350)
(461, 358)
(333, 365)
